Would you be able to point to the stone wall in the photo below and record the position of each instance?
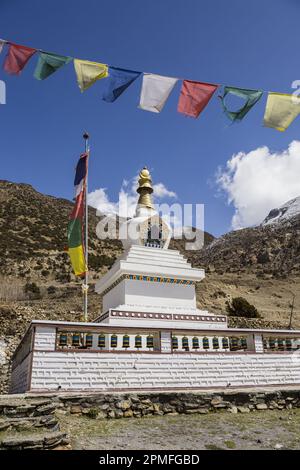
(34, 410)
(7, 347)
(111, 406)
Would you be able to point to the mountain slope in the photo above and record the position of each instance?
(33, 230)
(266, 251)
(261, 264)
(284, 213)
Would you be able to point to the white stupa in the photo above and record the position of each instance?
(150, 284)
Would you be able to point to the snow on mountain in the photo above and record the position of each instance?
(283, 213)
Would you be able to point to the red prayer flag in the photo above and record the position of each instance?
(78, 208)
(16, 58)
(194, 96)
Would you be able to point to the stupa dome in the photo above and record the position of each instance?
(146, 228)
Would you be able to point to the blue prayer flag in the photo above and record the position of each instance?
(81, 169)
(118, 81)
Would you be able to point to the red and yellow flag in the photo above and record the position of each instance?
(75, 226)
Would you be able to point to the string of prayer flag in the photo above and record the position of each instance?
(281, 109)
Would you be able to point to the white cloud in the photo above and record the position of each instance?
(100, 201)
(128, 198)
(160, 191)
(259, 181)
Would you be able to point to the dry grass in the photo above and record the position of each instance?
(222, 430)
(11, 289)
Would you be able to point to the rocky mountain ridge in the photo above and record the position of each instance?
(287, 211)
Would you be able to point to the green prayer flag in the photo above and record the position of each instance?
(74, 233)
(250, 96)
(48, 64)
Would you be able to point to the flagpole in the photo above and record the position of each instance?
(86, 280)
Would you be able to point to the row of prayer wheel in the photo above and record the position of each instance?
(77, 341)
(278, 343)
(232, 343)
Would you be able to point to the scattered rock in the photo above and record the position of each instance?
(156, 408)
(233, 409)
(61, 412)
(75, 409)
(278, 446)
(216, 401)
(45, 409)
(243, 409)
(125, 404)
(190, 406)
(118, 414)
(4, 425)
(261, 406)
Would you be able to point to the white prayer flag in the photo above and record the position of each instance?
(1, 45)
(155, 91)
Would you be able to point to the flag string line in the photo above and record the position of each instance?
(5, 41)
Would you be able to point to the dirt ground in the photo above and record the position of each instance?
(256, 430)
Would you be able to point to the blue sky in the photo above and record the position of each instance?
(253, 45)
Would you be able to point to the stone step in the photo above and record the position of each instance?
(42, 441)
(21, 409)
(20, 424)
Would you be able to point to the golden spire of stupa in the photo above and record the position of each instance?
(145, 189)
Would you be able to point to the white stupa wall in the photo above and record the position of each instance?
(143, 293)
(114, 297)
(150, 277)
(106, 371)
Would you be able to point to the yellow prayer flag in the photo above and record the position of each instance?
(281, 110)
(89, 72)
(78, 260)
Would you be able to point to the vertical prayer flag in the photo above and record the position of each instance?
(155, 91)
(2, 44)
(48, 64)
(281, 110)
(250, 96)
(16, 58)
(119, 80)
(89, 72)
(75, 226)
(194, 96)
(75, 250)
